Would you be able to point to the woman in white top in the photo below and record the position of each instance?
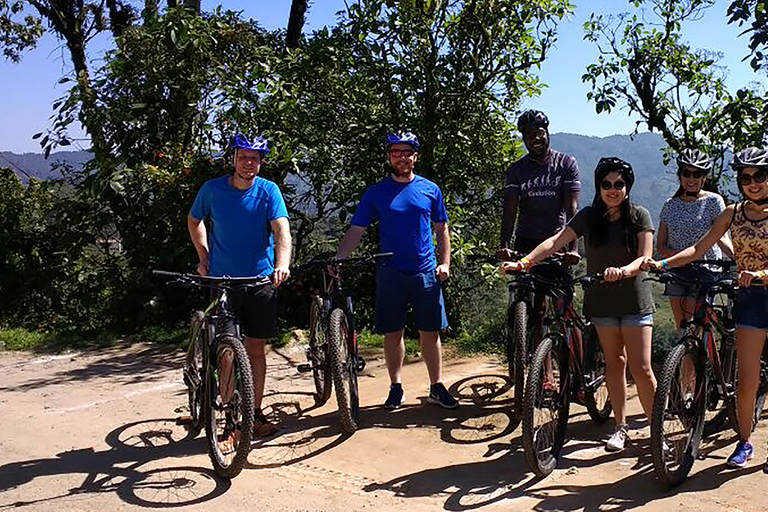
(684, 219)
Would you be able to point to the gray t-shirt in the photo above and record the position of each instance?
(625, 297)
(688, 221)
(541, 189)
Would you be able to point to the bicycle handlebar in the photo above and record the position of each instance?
(348, 260)
(199, 280)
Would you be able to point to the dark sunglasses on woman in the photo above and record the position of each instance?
(616, 185)
(756, 177)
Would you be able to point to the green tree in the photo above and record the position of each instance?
(755, 13)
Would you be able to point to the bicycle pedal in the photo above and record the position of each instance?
(304, 368)
(360, 364)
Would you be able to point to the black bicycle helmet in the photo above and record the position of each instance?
(694, 158)
(750, 157)
(610, 164)
(531, 118)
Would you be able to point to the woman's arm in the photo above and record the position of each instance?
(719, 228)
(546, 248)
(726, 245)
(661, 241)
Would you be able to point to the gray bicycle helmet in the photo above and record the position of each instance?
(694, 158)
(750, 157)
(531, 118)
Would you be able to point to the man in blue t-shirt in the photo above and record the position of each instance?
(250, 237)
(407, 206)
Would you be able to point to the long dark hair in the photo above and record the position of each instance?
(601, 223)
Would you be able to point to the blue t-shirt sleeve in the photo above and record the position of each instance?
(439, 213)
(201, 208)
(366, 211)
(277, 209)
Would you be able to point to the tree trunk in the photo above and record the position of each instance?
(295, 23)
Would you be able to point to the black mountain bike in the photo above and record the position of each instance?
(217, 373)
(561, 371)
(332, 352)
(699, 378)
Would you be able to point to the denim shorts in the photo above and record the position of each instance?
(623, 321)
(396, 290)
(684, 290)
(752, 307)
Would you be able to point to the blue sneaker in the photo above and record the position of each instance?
(440, 396)
(396, 397)
(741, 455)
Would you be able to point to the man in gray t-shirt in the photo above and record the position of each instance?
(541, 192)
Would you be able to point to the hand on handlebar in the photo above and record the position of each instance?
(202, 268)
(506, 255)
(612, 274)
(650, 264)
(511, 266)
(571, 257)
(280, 275)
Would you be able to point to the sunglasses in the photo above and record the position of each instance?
(397, 153)
(748, 179)
(685, 173)
(616, 185)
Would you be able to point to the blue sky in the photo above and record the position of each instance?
(28, 89)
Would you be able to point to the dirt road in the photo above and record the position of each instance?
(95, 431)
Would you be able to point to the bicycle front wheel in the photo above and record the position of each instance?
(194, 373)
(546, 406)
(229, 408)
(317, 353)
(344, 371)
(677, 421)
(517, 344)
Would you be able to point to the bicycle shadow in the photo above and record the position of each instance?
(129, 468)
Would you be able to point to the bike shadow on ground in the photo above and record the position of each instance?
(300, 435)
(134, 468)
(147, 364)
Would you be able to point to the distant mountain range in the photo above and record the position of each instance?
(654, 182)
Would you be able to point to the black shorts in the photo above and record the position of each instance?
(255, 310)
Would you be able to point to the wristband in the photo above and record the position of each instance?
(526, 263)
(664, 264)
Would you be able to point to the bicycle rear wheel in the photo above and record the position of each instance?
(344, 371)
(597, 400)
(546, 405)
(677, 420)
(229, 408)
(194, 373)
(317, 353)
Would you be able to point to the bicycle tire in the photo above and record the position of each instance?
(673, 465)
(235, 417)
(597, 399)
(344, 372)
(194, 373)
(518, 338)
(317, 353)
(725, 416)
(542, 447)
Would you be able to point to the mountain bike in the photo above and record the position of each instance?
(561, 370)
(333, 352)
(698, 377)
(217, 373)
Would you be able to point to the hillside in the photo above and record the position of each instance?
(35, 165)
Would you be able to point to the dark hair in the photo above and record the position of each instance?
(599, 231)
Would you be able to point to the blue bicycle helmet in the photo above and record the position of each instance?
(239, 141)
(403, 137)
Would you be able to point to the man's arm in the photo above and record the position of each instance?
(443, 250)
(509, 217)
(199, 236)
(350, 241)
(571, 207)
(282, 232)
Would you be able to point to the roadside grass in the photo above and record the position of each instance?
(22, 339)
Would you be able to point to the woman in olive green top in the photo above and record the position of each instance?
(618, 236)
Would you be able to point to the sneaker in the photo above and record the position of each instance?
(440, 396)
(395, 398)
(741, 455)
(617, 440)
(262, 427)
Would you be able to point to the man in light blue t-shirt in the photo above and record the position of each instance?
(407, 207)
(250, 237)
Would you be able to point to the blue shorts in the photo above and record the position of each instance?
(623, 321)
(752, 308)
(396, 290)
(685, 290)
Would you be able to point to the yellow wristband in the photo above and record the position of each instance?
(526, 262)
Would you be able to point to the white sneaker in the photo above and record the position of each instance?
(618, 439)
